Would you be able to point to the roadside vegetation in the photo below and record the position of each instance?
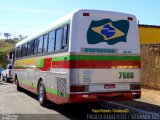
(6, 46)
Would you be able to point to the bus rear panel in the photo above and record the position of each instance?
(105, 57)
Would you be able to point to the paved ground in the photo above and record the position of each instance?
(150, 96)
(24, 106)
(19, 102)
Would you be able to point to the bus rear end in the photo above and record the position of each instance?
(104, 57)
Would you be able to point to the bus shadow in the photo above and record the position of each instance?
(71, 111)
(80, 111)
(34, 96)
(141, 105)
(74, 111)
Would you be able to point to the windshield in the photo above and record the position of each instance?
(9, 66)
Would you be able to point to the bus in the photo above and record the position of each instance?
(86, 56)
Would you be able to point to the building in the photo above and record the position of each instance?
(150, 55)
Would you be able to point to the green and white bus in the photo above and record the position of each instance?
(87, 56)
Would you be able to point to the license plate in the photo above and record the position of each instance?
(109, 86)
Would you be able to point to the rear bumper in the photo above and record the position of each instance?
(108, 96)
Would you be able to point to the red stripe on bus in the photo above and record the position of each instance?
(47, 64)
(76, 98)
(55, 98)
(27, 87)
(94, 64)
(94, 97)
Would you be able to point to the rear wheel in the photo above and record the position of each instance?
(41, 94)
(18, 87)
(5, 79)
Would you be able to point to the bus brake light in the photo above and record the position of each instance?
(85, 14)
(9, 72)
(135, 86)
(79, 88)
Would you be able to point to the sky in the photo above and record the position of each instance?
(24, 17)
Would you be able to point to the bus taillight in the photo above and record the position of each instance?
(135, 86)
(9, 72)
(79, 88)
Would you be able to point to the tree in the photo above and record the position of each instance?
(7, 35)
(21, 37)
(6, 49)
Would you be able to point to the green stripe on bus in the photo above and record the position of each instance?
(49, 90)
(52, 91)
(28, 83)
(41, 63)
(56, 92)
(94, 57)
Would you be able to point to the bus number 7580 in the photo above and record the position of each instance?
(126, 75)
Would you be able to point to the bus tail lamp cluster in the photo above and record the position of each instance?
(9, 72)
(135, 86)
(78, 88)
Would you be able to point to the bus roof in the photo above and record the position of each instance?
(47, 29)
(66, 19)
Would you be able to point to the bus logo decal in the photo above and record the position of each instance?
(108, 31)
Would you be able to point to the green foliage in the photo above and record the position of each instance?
(5, 48)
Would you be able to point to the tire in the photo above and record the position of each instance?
(6, 79)
(41, 94)
(18, 87)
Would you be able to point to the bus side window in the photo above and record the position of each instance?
(30, 48)
(24, 50)
(45, 41)
(23, 47)
(65, 37)
(58, 40)
(40, 45)
(19, 52)
(51, 41)
(35, 46)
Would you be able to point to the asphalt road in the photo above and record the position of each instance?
(24, 105)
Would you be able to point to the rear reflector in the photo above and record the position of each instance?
(79, 88)
(130, 18)
(9, 72)
(85, 14)
(136, 95)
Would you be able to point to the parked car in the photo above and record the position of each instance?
(6, 74)
(1, 69)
